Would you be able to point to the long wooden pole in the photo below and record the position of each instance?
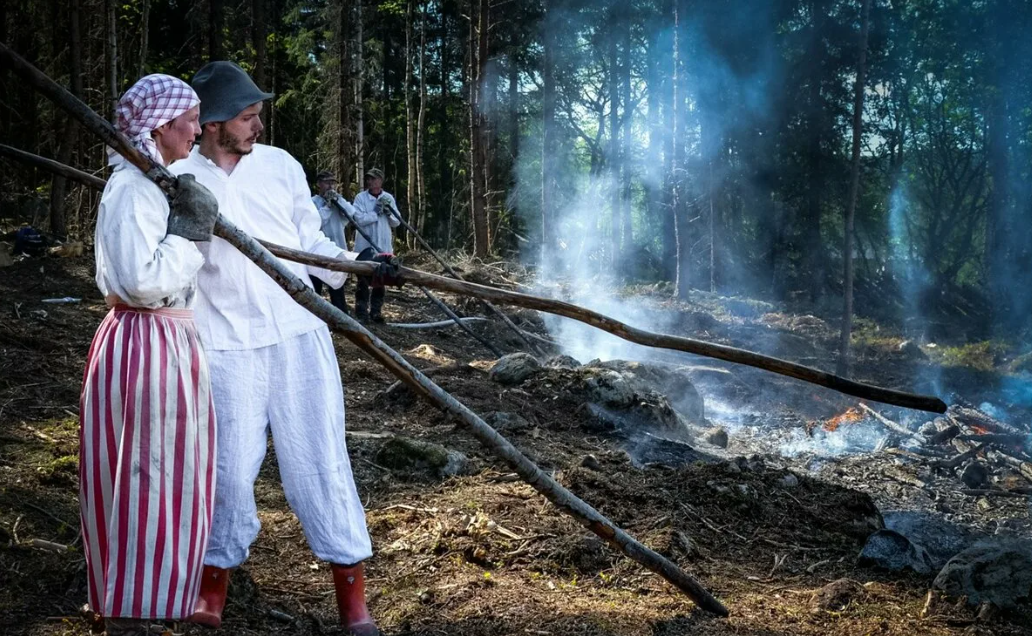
(560, 308)
(379, 351)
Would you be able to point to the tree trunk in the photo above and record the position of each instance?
(111, 57)
(144, 33)
(410, 122)
(357, 75)
(548, 134)
(613, 153)
(626, 238)
(676, 175)
(854, 188)
(478, 141)
(419, 210)
(70, 131)
(216, 17)
(258, 41)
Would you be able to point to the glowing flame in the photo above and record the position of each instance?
(850, 416)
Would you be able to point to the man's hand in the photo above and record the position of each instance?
(384, 204)
(388, 272)
(193, 210)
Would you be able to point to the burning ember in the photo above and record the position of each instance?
(850, 416)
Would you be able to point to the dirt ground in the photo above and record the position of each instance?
(480, 553)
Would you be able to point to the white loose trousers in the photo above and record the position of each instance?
(294, 389)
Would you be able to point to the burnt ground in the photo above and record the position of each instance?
(483, 553)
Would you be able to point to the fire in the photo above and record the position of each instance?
(850, 416)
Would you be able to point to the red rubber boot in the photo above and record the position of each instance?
(212, 599)
(349, 581)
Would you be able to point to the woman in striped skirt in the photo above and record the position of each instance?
(147, 443)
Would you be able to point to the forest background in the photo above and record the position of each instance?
(790, 150)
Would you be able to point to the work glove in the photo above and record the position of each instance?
(388, 272)
(384, 204)
(193, 210)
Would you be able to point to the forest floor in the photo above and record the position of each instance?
(441, 566)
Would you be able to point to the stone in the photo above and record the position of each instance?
(591, 463)
(717, 436)
(998, 573)
(789, 481)
(514, 368)
(975, 475)
(507, 422)
(562, 362)
(837, 595)
(890, 550)
(412, 455)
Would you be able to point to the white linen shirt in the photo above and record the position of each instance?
(377, 226)
(333, 220)
(239, 307)
(137, 260)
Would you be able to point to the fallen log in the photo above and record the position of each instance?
(957, 460)
(978, 420)
(1002, 439)
(622, 330)
(378, 350)
(992, 492)
(433, 325)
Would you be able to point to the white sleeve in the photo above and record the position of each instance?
(308, 222)
(145, 264)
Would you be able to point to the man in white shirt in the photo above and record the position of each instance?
(374, 214)
(272, 362)
(333, 224)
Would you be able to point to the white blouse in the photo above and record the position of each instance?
(239, 307)
(136, 260)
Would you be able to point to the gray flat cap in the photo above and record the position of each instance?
(225, 90)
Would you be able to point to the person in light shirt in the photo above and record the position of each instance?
(334, 222)
(375, 214)
(147, 444)
(273, 365)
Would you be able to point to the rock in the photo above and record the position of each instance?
(892, 551)
(975, 475)
(507, 422)
(591, 463)
(911, 350)
(789, 481)
(6, 257)
(940, 538)
(514, 368)
(403, 453)
(562, 362)
(671, 382)
(837, 595)
(999, 573)
(1021, 364)
(717, 436)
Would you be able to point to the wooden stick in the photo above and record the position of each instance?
(633, 334)
(379, 351)
(615, 327)
(53, 166)
(451, 272)
(893, 426)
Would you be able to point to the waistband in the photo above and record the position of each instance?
(164, 312)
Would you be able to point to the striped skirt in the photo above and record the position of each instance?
(146, 464)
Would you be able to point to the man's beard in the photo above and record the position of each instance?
(232, 144)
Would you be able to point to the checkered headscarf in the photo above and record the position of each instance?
(153, 101)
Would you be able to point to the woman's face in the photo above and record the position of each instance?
(176, 138)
